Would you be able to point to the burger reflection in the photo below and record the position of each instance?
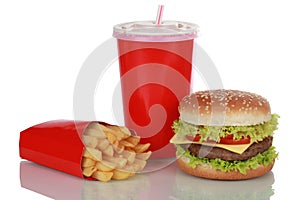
(58, 185)
(253, 189)
(167, 183)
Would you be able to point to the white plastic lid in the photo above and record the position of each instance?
(148, 31)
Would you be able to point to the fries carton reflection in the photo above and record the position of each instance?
(189, 187)
(58, 185)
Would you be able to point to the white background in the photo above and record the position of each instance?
(43, 44)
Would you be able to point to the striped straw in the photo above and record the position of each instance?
(159, 14)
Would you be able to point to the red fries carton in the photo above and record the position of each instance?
(55, 144)
(90, 150)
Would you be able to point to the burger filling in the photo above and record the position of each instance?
(265, 158)
(215, 133)
(259, 150)
(199, 150)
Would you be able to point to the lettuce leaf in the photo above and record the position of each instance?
(264, 158)
(215, 132)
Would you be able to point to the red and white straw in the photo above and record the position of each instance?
(159, 14)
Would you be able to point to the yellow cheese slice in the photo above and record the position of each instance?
(240, 148)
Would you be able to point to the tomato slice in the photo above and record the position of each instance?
(223, 140)
(229, 140)
(194, 138)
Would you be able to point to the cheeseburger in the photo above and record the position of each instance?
(225, 135)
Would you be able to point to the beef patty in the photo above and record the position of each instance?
(216, 152)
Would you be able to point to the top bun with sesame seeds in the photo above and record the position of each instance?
(224, 108)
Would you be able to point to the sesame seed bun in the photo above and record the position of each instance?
(209, 173)
(224, 108)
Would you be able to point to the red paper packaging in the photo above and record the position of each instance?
(55, 144)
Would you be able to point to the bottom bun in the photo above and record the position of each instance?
(209, 173)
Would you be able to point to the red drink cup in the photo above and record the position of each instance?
(155, 70)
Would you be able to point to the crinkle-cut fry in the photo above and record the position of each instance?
(105, 166)
(109, 151)
(111, 137)
(119, 148)
(118, 132)
(103, 144)
(94, 125)
(135, 167)
(143, 156)
(125, 130)
(105, 128)
(126, 143)
(102, 176)
(140, 148)
(89, 141)
(133, 140)
(128, 149)
(88, 171)
(120, 174)
(128, 168)
(130, 156)
(95, 133)
(92, 154)
(94, 129)
(87, 162)
(110, 133)
(139, 165)
(119, 161)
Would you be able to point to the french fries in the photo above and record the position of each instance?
(111, 152)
